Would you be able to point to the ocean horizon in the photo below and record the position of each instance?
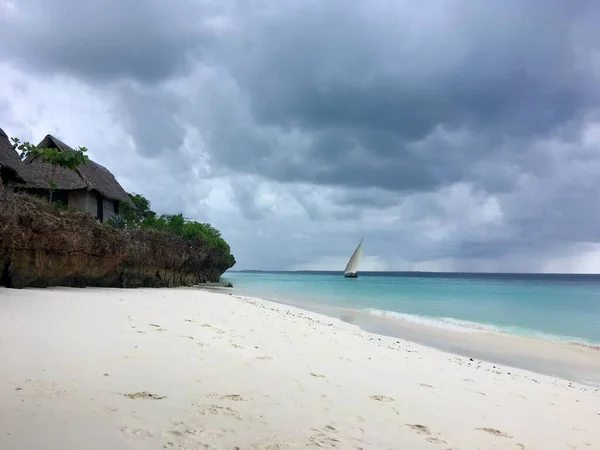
(553, 307)
(408, 273)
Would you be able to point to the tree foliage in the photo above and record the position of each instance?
(143, 217)
(141, 211)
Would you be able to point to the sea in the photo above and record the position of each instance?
(564, 308)
(543, 323)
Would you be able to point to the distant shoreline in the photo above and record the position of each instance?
(425, 274)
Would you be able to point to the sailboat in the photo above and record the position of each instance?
(351, 268)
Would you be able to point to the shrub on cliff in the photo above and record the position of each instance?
(135, 216)
(143, 217)
(117, 222)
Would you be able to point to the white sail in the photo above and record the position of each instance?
(352, 265)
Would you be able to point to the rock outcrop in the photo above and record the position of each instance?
(41, 246)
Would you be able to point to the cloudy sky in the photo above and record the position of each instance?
(450, 134)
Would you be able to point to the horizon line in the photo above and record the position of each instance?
(415, 272)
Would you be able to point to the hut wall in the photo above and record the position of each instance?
(109, 208)
(83, 200)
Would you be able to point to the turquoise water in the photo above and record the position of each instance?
(552, 307)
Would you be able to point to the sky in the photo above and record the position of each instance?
(451, 135)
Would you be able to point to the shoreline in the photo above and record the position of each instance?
(532, 307)
(570, 360)
(186, 368)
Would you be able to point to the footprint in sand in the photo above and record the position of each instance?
(326, 429)
(435, 440)
(477, 392)
(234, 397)
(144, 395)
(382, 398)
(183, 430)
(219, 411)
(421, 429)
(136, 433)
(321, 440)
(217, 330)
(495, 432)
(236, 346)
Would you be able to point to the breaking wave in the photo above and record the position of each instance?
(465, 326)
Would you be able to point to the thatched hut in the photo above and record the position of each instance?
(13, 172)
(91, 187)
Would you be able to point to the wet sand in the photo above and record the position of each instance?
(574, 362)
(571, 361)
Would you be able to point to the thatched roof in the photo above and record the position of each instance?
(9, 159)
(90, 176)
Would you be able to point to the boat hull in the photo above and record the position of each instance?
(351, 275)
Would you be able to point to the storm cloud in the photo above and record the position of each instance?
(451, 135)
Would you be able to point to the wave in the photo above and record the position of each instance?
(466, 326)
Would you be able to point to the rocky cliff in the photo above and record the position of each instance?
(41, 246)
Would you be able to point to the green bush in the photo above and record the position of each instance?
(143, 217)
(135, 215)
(117, 222)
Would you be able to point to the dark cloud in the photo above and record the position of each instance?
(455, 129)
(138, 108)
(402, 97)
(112, 39)
(371, 85)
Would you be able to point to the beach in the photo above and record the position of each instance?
(192, 369)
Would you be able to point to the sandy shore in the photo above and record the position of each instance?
(190, 369)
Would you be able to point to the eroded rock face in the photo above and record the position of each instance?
(41, 247)
(3, 249)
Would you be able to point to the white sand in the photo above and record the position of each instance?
(249, 374)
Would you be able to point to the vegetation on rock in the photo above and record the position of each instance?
(116, 222)
(42, 245)
(143, 217)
